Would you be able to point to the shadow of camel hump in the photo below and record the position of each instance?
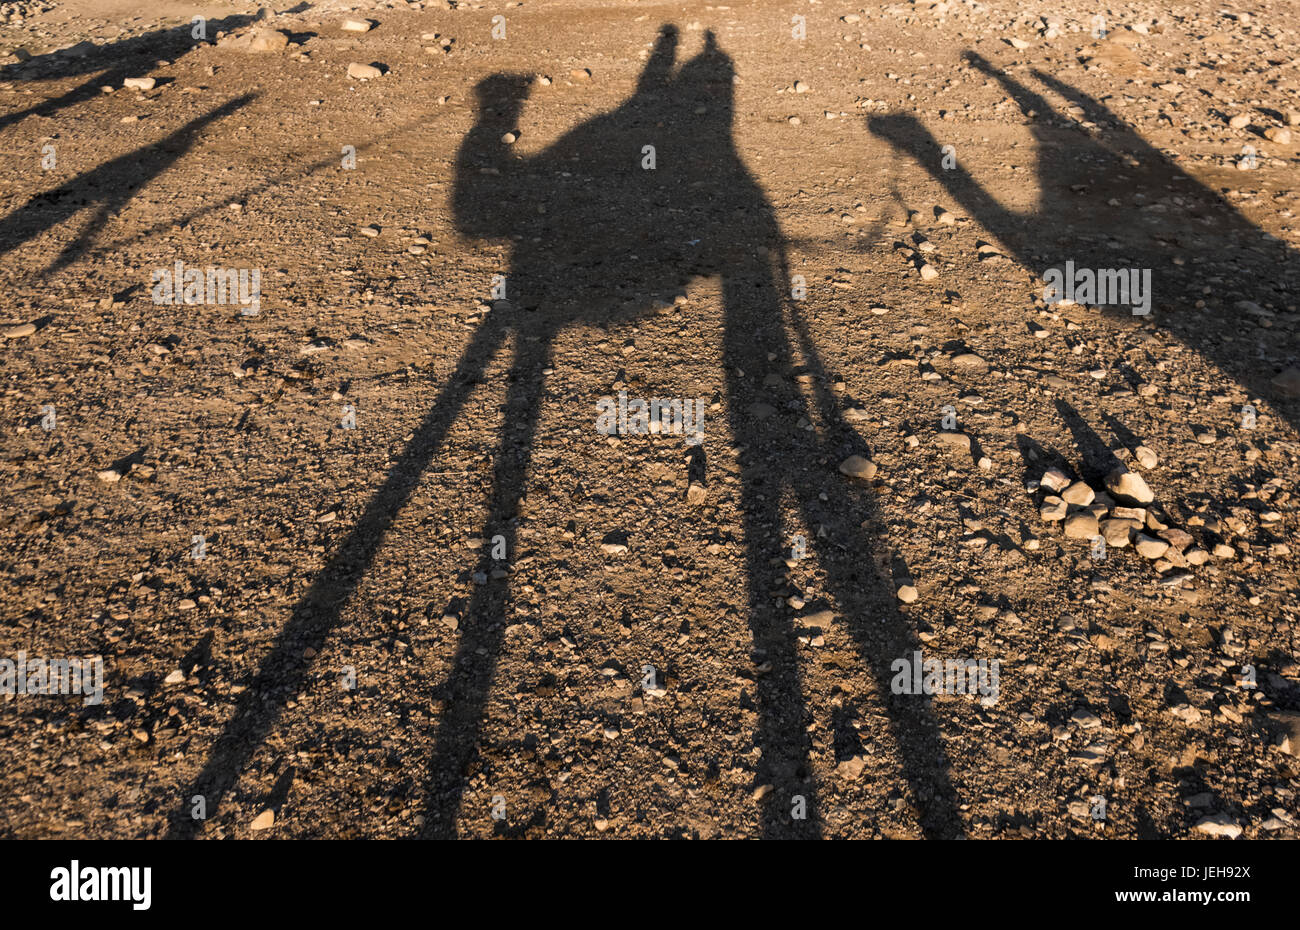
(1112, 200)
(593, 238)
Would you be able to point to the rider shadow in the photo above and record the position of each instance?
(1196, 244)
(699, 213)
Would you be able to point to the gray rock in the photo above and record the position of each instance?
(1078, 494)
(1218, 825)
(1287, 725)
(1053, 509)
(1082, 525)
(259, 40)
(970, 361)
(1054, 480)
(1149, 547)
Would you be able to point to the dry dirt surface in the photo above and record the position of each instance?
(379, 546)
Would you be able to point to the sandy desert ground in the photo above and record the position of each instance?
(361, 559)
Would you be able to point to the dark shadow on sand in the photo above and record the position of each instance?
(700, 213)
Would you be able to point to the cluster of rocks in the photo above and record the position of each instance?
(918, 251)
(15, 13)
(1118, 513)
(265, 39)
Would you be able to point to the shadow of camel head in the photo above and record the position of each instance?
(501, 94)
(1112, 206)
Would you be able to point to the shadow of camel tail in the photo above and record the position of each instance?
(284, 671)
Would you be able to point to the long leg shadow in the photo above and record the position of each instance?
(108, 187)
(1197, 225)
(87, 90)
(284, 670)
(470, 681)
(864, 597)
(880, 630)
(753, 329)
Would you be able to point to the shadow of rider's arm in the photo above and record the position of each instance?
(908, 136)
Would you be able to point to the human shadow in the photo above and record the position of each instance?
(1109, 200)
(107, 188)
(613, 237)
(110, 64)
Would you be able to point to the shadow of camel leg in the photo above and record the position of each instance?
(108, 186)
(753, 322)
(470, 680)
(867, 598)
(779, 458)
(284, 670)
(89, 90)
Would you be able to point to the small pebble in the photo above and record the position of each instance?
(363, 72)
(856, 466)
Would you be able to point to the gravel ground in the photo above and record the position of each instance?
(361, 557)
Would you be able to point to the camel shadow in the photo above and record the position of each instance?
(1111, 200)
(107, 188)
(612, 236)
(110, 64)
